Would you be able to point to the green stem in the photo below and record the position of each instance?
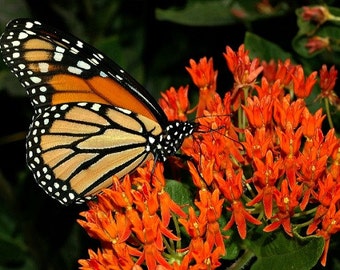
(328, 112)
(178, 231)
(242, 262)
(333, 18)
(242, 119)
(306, 213)
(302, 225)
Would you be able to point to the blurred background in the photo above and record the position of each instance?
(153, 41)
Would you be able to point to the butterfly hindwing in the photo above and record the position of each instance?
(72, 156)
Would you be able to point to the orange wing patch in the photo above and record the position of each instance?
(41, 56)
(70, 88)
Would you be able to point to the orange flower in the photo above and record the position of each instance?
(112, 233)
(244, 70)
(166, 204)
(232, 190)
(204, 77)
(210, 207)
(327, 194)
(303, 86)
(175, 103)
(286, 202)
(119, 195)
(327, 83)
(100, 261)
(259, 111)
(257, 145)
(195, 226)
(312, 167)
(330, 226)
(311, 123)
(102, 226)
(274, 90)
(239, 217)
(334, 169)
(282, 71)
(265, 177)
(287, 113)
(327, 79)
(151, 237)
(197, 178)
(290, 141)
(203, 73)
(204, 256)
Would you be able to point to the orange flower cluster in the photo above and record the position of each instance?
(130, 220)
(259, 156)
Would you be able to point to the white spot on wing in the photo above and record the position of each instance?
(58, 56)
(66, 41)
(35, 79)
(103, 74)
(96, 107)
(118, 77)
(60, 49)
(83, 65)
(63, 107)
(74, 70)
(16, 43)
(43, 67)
(42, 98)
(22, 35)
(80, 44)
(123, 110)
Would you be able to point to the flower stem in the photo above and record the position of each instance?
(333, 18)
(330, 122)
(242, 261)
(178, 231)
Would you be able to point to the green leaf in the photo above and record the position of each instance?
(264, 49)
(179, 193)
(218, 12)
(279, 251)
(232, 244)
(200, 13)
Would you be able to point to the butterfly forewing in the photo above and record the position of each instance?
(57, 68)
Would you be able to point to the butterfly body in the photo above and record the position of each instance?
(92, 120)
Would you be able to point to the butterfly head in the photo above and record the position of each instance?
(172, 138)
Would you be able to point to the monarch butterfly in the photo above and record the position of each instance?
(92, 120)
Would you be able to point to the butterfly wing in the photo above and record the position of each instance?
(57, 68)
(76, 154)
(92, 120)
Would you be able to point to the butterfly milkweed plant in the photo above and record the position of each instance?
(260, 182)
